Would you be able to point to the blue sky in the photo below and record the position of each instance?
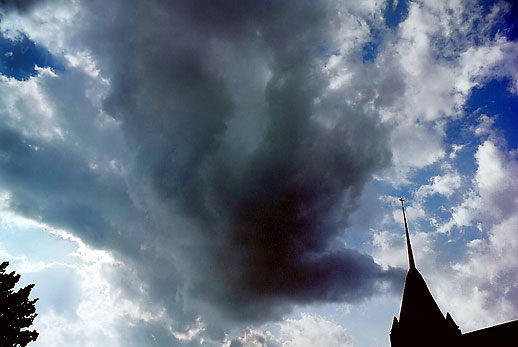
(193, 174)
(20, 55)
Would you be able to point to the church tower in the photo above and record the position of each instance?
(421, 322)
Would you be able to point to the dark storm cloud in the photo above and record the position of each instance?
(19, 5)
(266, 221)
(246, 166)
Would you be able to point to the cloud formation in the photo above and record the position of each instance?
(309, 330)
(237, 166)
(218, 149)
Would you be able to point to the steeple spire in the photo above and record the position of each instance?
(411, 262)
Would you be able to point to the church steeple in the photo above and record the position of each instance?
(421, 322)
(411, 262)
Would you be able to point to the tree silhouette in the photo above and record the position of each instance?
(16, 311)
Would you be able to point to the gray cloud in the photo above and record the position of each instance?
(255, 338)
(18, 5)
(242, 166)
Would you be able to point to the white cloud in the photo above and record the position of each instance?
(26, 102)
(445, 185)
(494, 193)
(454, 149)
(485, 126)
(390, 249)
(490, 269)
(48, 24)
(308, 330)
(477, 64)
(496, 176)
(254, 338)
(482, 289)
(191, 332)
(416, 145)
(313, 331)
(436, 86)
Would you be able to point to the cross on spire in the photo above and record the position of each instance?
(411, 262)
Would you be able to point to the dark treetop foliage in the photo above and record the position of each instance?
(16, 311)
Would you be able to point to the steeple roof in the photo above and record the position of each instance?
(418, 306)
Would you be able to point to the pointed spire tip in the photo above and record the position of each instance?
(411, 262)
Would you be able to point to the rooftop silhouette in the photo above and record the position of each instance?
(422, 323)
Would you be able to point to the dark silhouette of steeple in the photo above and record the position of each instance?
(420, 315)
(421, 322)
(411, 263)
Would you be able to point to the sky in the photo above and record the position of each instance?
(227, 173)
